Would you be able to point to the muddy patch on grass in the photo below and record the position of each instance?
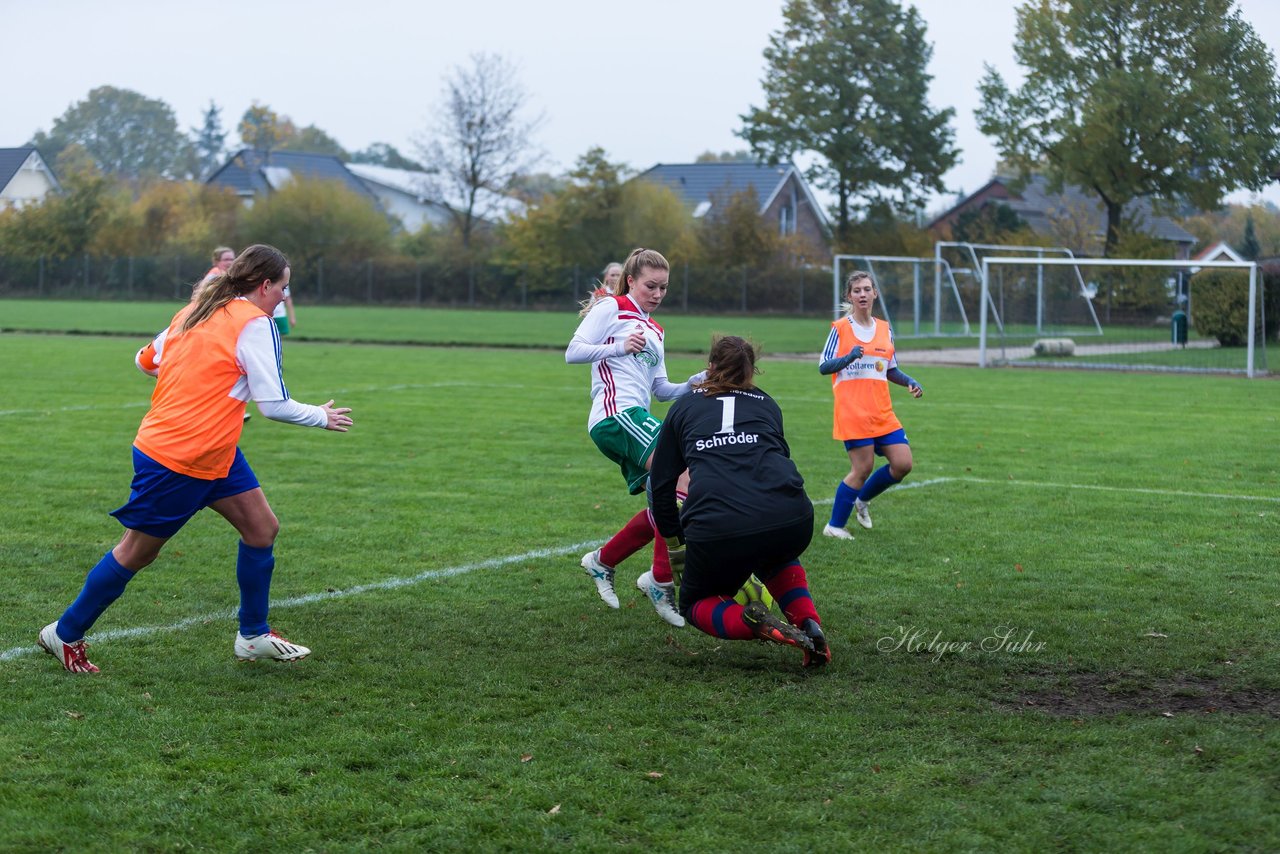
(1077, 695)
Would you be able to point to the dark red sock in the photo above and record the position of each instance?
(790, 588)
(721, 617)
(631, 539)
(661, 557)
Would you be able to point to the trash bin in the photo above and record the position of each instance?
(1178, 328)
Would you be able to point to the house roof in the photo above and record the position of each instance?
(417, 184)
(12, 159)
(1037, 207)
(1216, 251)
(406, 181)
(698, 184)
(250, 171)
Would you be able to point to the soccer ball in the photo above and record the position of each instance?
(754, 591)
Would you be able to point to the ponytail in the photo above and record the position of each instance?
(731, 365)
(255, 265)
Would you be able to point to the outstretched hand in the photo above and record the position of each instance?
(337, 418)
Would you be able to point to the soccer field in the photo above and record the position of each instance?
(1060, 634)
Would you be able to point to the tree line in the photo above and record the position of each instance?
(1172, 100)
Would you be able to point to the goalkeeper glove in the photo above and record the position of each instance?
(675, 552)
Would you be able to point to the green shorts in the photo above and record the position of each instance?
(628, 439)
(282, 323)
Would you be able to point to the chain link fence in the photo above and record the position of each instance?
(411, 282)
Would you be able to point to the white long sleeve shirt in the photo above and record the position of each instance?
(621, 380)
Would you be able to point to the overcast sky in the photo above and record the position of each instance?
(653, 82)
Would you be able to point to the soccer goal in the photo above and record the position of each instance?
(1138, 314)
(918, 296)
(1064, 298)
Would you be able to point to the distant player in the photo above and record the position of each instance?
(609, 280)
(220, 351)
(606, 287)
(223, 256)
(747, 511)
(623, 344)
(860, 357)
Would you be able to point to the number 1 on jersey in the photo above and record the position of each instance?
(727, 403)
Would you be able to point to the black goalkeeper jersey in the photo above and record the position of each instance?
(741, 477)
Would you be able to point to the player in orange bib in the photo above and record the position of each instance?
(860, 357)
(220, 351)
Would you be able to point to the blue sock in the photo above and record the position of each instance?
(253, 573)
(879, 481)
(103, 585)
(842, 507)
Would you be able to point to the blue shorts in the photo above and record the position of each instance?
(161, 500)
(897, 437)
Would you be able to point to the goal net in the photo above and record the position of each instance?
(1122, 314)
(919, 297)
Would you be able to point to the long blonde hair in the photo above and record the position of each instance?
(636, 261)
(251, 268)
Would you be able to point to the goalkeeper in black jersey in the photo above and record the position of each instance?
(747, 512)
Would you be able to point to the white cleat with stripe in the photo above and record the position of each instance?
(270, 646)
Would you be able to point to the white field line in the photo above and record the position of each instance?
(492, 563)
(307, 599)
(1173, 493)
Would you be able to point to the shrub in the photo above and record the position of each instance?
(1220, 305)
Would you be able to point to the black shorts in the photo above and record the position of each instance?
(721, 567)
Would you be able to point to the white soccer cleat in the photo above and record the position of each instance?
(663, 597)
(72, 655)
(864, 513)
(839, 533)
(602, 575)
(271, 646)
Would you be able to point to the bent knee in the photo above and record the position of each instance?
(262, 533)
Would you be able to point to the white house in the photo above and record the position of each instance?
(406, 195)
(402, 193)
(25, 179)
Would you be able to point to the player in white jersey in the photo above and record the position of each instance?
(623, 344)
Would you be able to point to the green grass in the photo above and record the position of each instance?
(1127, 523)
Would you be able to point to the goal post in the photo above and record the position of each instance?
(1134, 336)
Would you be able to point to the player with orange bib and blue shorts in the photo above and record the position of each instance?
(860, 358)
(219, 352)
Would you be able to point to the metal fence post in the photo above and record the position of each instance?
(320, 279)
(417, 282)
(368, 282)
(744, 290)
(684, 299)
(40, 280)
